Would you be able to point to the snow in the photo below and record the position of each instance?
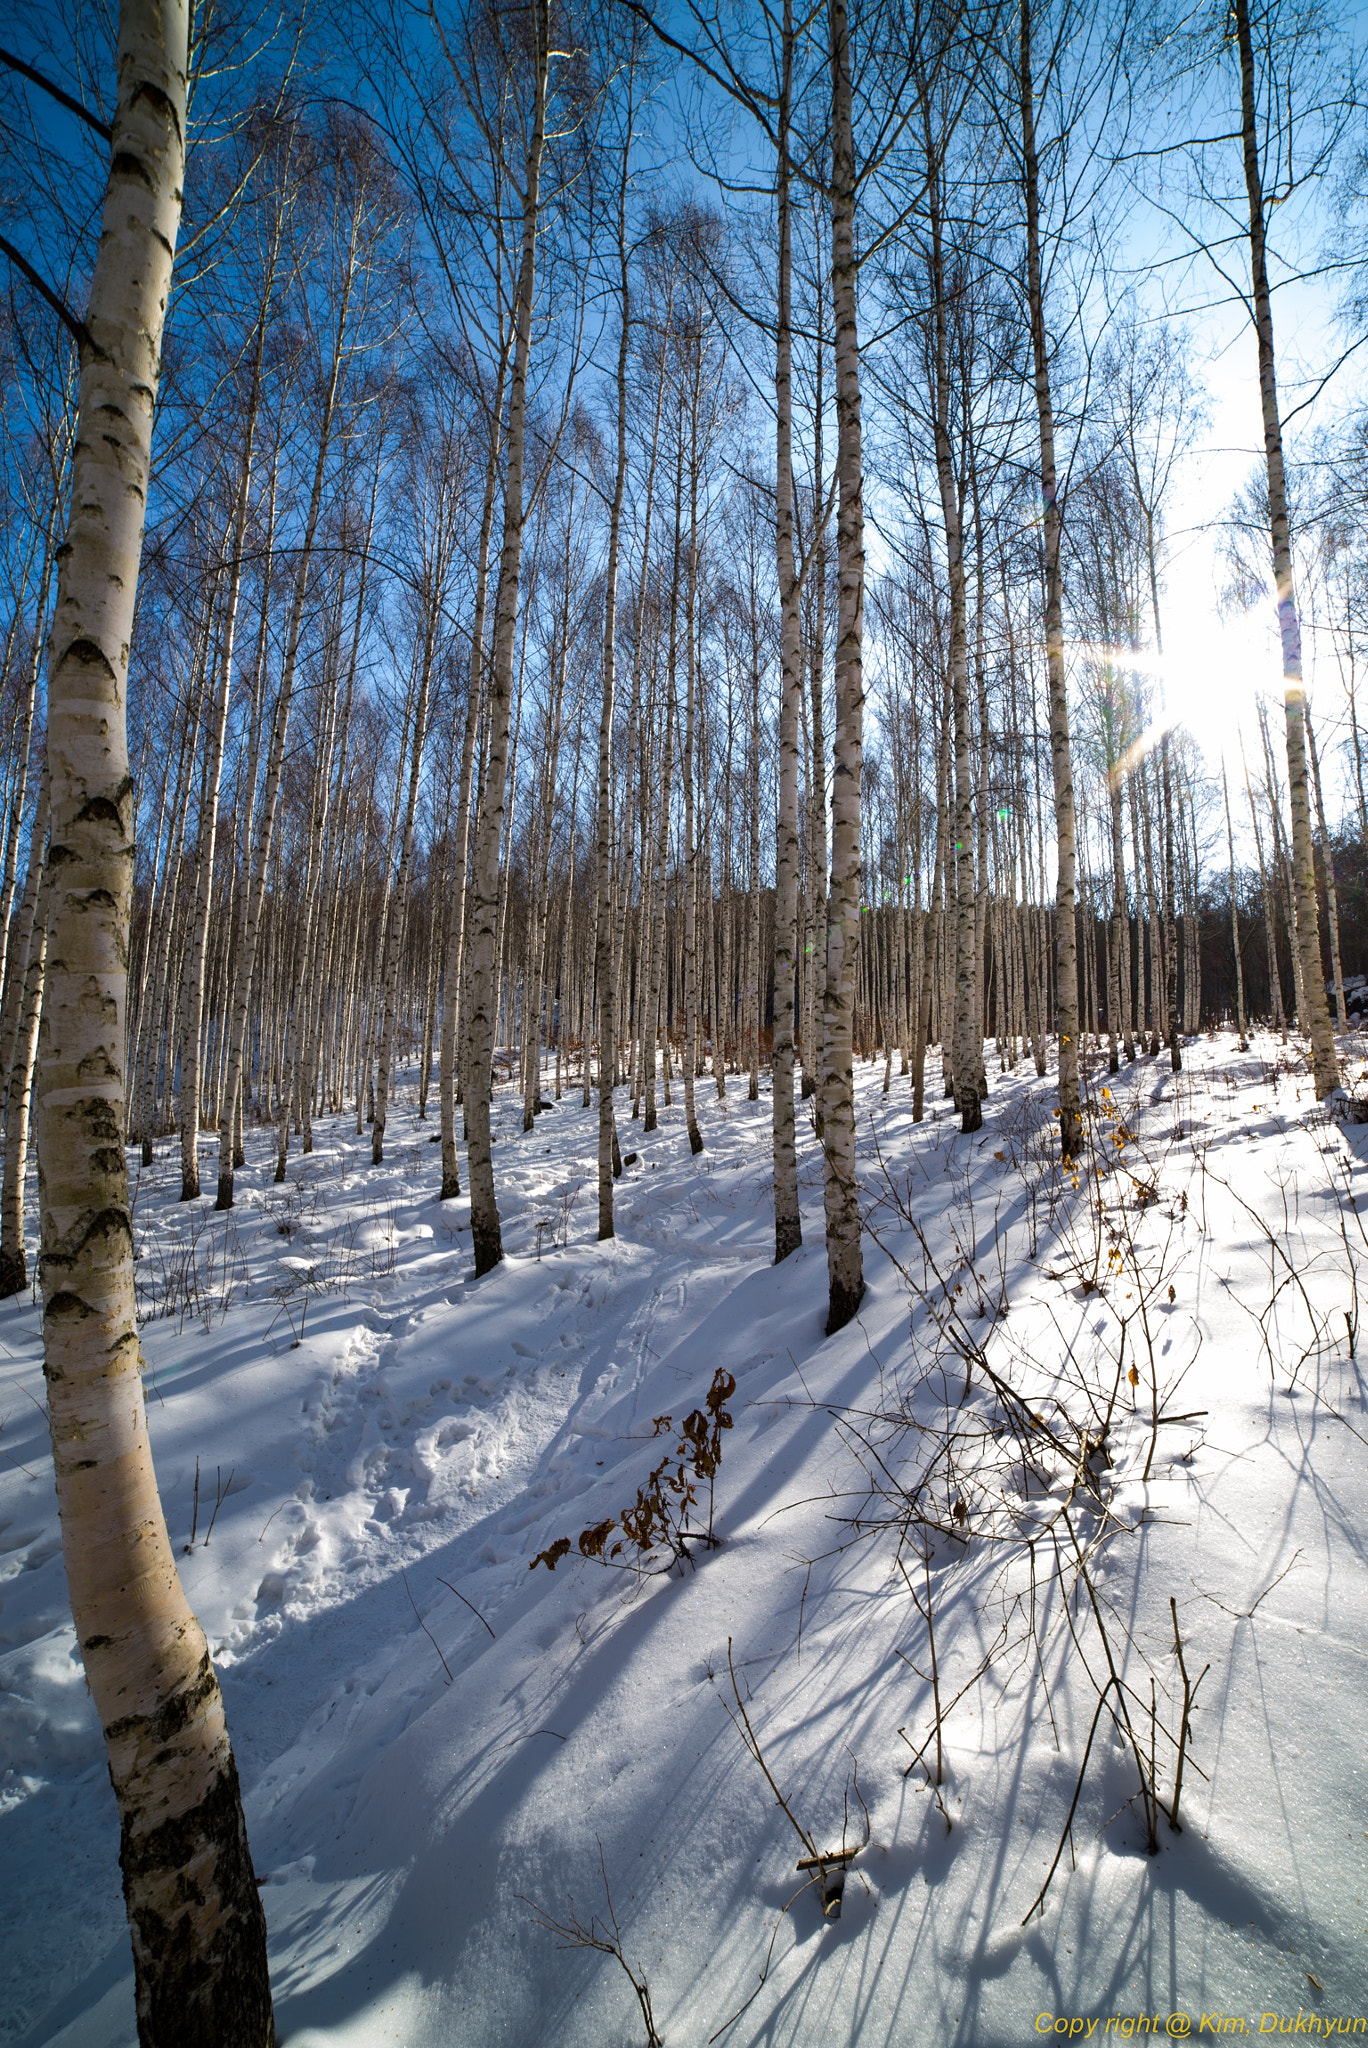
(442, 1749)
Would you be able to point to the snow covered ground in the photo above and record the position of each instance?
(443, 1750)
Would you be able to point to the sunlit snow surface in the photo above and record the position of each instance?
(426, 1427)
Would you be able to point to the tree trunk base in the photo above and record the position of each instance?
(843, 1306)
(224, 1198)
(13, 1273)
(695, 1138)
(488, 1245)
(181, 1874)
(788, 1236)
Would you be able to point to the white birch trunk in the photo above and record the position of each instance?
(1061, 757)
(1315, 1020)
(845, 1263)
(788, 1228)
(199, 1938)
(484, 945)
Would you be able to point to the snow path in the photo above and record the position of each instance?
(379, 1434)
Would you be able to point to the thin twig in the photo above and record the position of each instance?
(221, 1495)
(423, 1625)
(466, 1603)
(753, 1745)
(1039, 1899)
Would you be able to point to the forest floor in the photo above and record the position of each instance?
(955, 1535)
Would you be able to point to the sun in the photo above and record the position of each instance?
(1216, 666)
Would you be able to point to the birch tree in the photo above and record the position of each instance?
(1324, 1064)
(485, 892)
(199, 1937)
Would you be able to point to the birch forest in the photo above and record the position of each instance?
(635, 672)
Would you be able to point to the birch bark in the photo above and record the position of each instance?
(845, 1265)
(192, 986)
(604, 951)
(234, 1087)
(787, 848)
(1316, 1022)
(1234, 918)
(484, 961)
(199, 1936)
(1331, 891)
(1061, 755)
(453, 950)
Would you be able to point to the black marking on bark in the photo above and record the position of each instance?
(101, 810)
(99, 1120)
(125, 165)
(96, 1643)
(161, 102)
(199, 1932)
(110, 1224)
(90, 654)
(843, 1305)
(174, 1715)
(65, 1306)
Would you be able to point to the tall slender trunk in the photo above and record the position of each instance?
(967, 1022)
(1331, 891)
(24, 750)
(659, 876)
(1234, 918)
(389, 970)
(688, 752)
(484, 945)
(21, 938)
(1170, 906)
(13, 1261)
(814, 977)
(192, 984)
(1270, 935)
(1316, 1020)
(845, 1263)
(1061, 758)
(604, 951)
(230, 1107)
(199, 1934)
(27, 961)
(453, 948)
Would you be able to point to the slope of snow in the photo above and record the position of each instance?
(442, 1748)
